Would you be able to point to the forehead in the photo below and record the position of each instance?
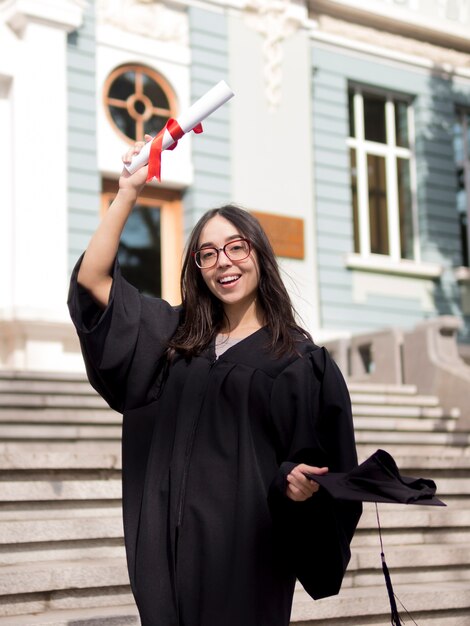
(218, 230)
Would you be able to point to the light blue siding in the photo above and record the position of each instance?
(211, 150)
(84, 183)
(433, 100)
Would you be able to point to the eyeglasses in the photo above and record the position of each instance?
(236, 250)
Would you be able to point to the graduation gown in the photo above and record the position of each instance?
(207, 444)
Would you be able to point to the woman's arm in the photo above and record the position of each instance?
(95, 270)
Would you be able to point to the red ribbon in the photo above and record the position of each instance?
(155, 157)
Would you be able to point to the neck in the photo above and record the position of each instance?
(242, 317)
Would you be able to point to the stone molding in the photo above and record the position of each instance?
(393, 41)
(275, 21)
(61, 14)
(447, 25)
(147, 18)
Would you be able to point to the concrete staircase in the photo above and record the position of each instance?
(62, 559)
(427, 548)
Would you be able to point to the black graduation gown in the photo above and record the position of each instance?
(210, 536)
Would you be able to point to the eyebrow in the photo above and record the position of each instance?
(227, 239)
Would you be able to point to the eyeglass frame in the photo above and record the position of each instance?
(219, 250)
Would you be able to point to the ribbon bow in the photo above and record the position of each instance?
(156, 149)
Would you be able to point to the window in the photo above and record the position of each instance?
(462, 162)
(139, 251)
(151, 244)
(381, 161)
(137, 101)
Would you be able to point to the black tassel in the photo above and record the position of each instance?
(395, 618)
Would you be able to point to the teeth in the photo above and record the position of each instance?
(228, 279)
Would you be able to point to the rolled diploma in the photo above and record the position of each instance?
(197, 112)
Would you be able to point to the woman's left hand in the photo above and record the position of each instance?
(300, 487)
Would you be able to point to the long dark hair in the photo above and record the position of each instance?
(203, 313)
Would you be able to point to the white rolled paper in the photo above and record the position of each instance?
(197, 112)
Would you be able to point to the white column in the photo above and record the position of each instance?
(6, 211)
(39, 156)
(34, 329)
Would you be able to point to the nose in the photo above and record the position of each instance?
(222, 259)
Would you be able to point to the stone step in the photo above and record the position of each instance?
(365, 607)
(39, 375)
(381, 388)
(102, 564)
(59, 431)
(405, 526)
(370, 605)
(421, 457)
(78, 402)
(410, 557)
(60, 510)
(46, 386)
(410, 576)
(15, 487)
(383, 439)
(113, 615)
(85, 454)
(413, 516)
(53, 530)
(58, 460)
(405, 424)
(59, 415)
(31, 445)
(407, 537)
(62, 551)
(401, 411)
(385, 399)
(53, 488)
(41, 576)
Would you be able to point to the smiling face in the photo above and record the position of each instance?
(234, 283)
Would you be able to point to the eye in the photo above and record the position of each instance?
(237, 246)
(206, 255)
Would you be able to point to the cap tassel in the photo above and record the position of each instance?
(395, 618)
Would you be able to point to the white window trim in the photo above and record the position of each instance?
(384, 264)
(390, 151)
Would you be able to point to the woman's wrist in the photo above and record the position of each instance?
(128, 194)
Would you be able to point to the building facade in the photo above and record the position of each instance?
(349, 136)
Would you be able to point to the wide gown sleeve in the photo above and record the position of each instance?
(122, 344)
(311, 410)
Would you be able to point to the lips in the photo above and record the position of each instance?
(230, 279)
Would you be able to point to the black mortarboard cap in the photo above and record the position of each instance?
(378, 479)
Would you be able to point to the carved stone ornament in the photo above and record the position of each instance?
(149, 18)
(65, 15)
(275, 20)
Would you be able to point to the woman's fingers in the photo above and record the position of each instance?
(302, 483)
(299, 486)
(311, 469)
(132, 150)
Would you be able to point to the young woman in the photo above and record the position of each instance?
(227, 405)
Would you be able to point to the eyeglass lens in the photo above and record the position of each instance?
(235, 250)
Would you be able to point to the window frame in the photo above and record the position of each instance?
(463, 117)
(171, 232)
(139, 124)
(390, 152)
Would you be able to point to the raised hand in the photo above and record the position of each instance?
(134, 182)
